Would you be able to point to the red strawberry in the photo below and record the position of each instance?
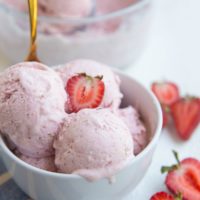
(184, 178)
(186, 116)
(84, 92)
(162, 196)
(166, 92)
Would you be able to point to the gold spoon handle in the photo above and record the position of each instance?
(33, 13)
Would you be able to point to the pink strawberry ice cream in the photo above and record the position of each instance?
(108, 6)
(112, 96)
(32, 102)
(21, 5)
(59, 8)
(45, 163)
(131, 118)
(93, 143)
(63, 8)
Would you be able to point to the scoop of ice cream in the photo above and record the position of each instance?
(20, 5)
(32, 102)
(45, 163)
(93, 143)
(63, 8)
(105, 6)
(131, 118)
(59, 8)
(112, 96)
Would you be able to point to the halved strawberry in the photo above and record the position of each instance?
(184, 178)
(186, 115)
(166, 92)
(84, 92)
(162, 196)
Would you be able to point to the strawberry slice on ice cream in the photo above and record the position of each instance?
(84, 92)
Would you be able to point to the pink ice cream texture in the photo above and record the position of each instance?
(32, 102)
(131, 118)
(93, 143)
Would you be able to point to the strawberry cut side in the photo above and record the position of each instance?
(185, 179)
(166, 92)
(162, 196)
(186, 115)
(84, 92)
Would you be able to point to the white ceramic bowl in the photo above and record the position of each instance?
(44, 185)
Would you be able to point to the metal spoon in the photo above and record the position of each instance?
(33, 14)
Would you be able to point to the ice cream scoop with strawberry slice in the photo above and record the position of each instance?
(184, 178)
(84, 92)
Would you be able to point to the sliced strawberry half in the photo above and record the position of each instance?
(162, 196)
(166, 92)
(186, 115)
(184, 178)
(84, 92)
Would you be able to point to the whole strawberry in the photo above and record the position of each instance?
(184, 178)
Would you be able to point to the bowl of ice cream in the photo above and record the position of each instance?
(97, 153)
(111, 32)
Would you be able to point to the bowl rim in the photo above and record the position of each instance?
(139, 4)
(151, 144)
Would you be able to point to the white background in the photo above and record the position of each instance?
(172, 53)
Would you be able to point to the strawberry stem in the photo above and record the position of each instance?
(99, 77)
(173, 167)
(168, 168)
(176, 157)
(179, 196)
(167, 109)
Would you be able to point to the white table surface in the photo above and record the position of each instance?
(172, 53)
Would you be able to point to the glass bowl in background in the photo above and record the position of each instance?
(117, 38)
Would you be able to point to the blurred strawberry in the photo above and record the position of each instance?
(162, 196)
(166, 92)
(186, 115)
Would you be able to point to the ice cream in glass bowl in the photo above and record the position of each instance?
(78, 131)
(112, 32)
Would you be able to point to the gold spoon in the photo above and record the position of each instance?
(32, 56)
(33, 14)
